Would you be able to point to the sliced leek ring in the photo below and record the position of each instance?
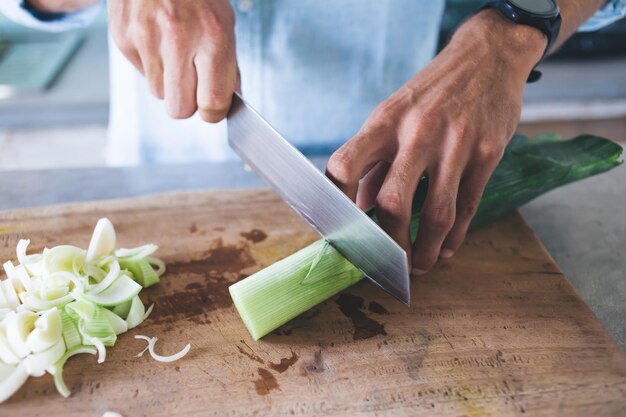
(18, 327)
(37, 363)
(122, 290)
(102, 241)
(47, 332)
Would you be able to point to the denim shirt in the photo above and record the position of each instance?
(315, 70)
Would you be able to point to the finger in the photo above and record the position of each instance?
(470, 191)
(152, 69)
(395, 199)
(179, 82)
(370, 185)
(147, 41)
(133, 56)
(218, 79)
(437, 215)
(351, 161)
(122, 34)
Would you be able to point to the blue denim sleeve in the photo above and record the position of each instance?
(613, 10)
(19, 12)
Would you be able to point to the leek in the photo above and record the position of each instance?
(273, 296)
(67, 300)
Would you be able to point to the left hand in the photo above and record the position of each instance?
(451, 121)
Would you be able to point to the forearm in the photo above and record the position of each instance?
(60, 6)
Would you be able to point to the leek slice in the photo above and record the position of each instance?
(123, 309)
(141, 270)
(139, 252)
(33, 263)
(18, 327)
(122, 290)
(171, 358)
(19, 279)
(48, 330)
(37, 363)
(111, 276)
(102, 352)
(11, 383)
(69, 330)
(136, 313)
(57, 369)
(6, 352)
(117, 323)
(64, 258)
(159, 264)
(92, 322)
(34, 302)
(10, 297)
(102, 241)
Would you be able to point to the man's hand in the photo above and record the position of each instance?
(185, 48)
(452, 122)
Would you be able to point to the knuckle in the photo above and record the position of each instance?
(382, 116)
(340, 166)
(180, 110)
(217, 27)
(125, 46)
(489, 153)
(215, 102)
(425, 261)
(427, 120)
(467, 209)
(212, 117)
(460, 134)
(391, 204)
(441, 216)
(142, 33)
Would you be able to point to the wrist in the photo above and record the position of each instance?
(519, 47)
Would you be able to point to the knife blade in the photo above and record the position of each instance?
(315, 198)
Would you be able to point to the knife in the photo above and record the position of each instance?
(315, 198)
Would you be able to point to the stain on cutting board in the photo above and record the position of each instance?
(364, 326)
(284, 363)
(218, 268)
(254, 235)
(266, 383)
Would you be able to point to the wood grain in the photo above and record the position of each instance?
(498, 330)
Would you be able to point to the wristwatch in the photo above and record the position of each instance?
(540, 14)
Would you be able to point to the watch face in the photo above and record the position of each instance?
(544, 7)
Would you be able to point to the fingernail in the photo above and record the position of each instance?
(417, 272)
(446, 253)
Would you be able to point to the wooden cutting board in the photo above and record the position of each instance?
(498, 330)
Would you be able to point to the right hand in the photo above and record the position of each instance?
(185, 49)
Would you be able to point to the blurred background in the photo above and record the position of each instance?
(54, 91)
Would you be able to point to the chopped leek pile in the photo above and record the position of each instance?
(273, 296)
(66, 301)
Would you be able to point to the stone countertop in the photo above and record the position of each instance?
(583, 225)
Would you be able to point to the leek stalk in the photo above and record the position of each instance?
(273, 296)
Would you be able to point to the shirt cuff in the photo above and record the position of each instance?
(613, 11)
(16, 11)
